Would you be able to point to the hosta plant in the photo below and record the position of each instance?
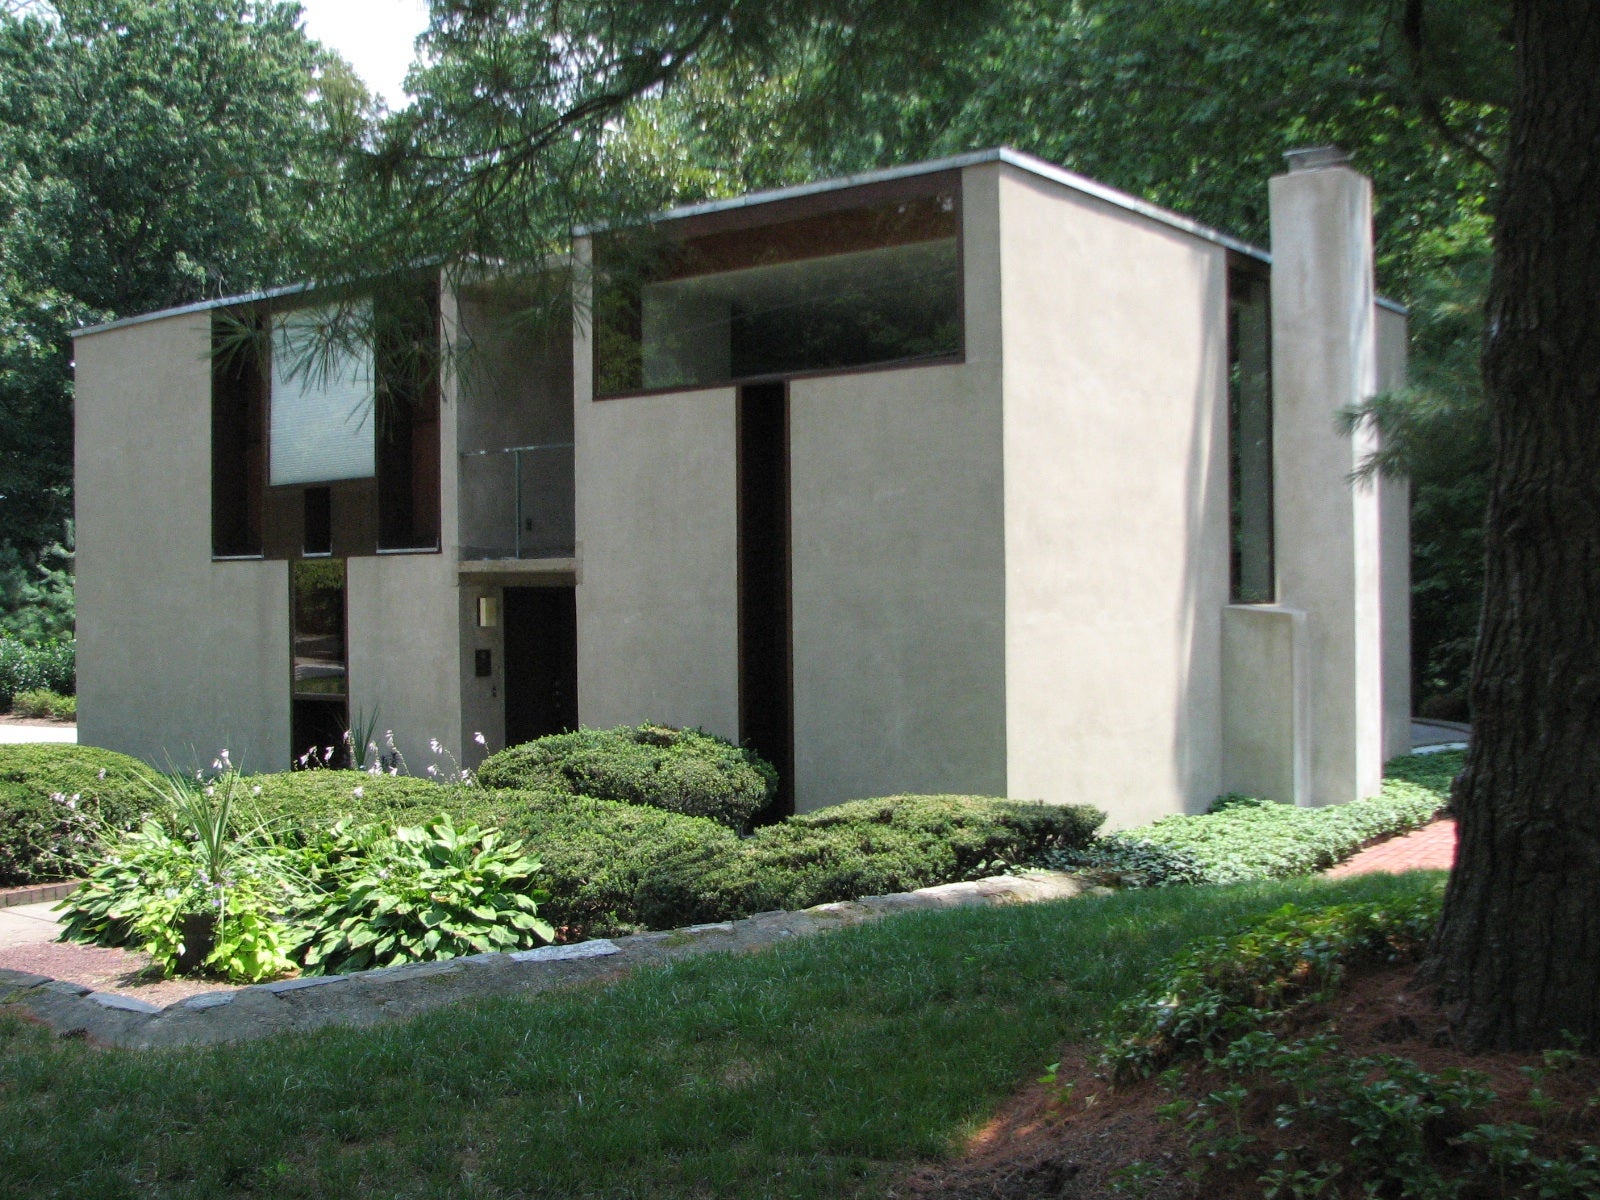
(195, 887)
(423, 893)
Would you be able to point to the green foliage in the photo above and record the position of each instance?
(196, 886)
(49, 666)
(615, 868)
(1228, 986)
(37, 600)
(41, 702)
(424, 893)
(685, 771)
(821, 1069)
(863, 848)
(1221, 1013)
(1243, 838)
(44, 838)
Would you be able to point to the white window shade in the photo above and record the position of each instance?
(322, 415)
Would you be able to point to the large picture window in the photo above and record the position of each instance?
(322, 404)
(877, 283)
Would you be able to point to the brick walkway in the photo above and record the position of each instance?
(1431, 848)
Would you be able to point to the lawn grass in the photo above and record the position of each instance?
(815, 1069)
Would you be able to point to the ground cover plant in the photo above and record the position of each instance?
(821, 1068)
(684, 771)
(1244, 838)
(1267, 1094)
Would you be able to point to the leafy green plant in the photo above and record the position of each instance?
(1229, 986)
(194, 887)
(1244, 838)
(425, 893)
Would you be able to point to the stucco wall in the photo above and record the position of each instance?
(1324, 350)
(657, 527)
(178, 657)
(1116, 562)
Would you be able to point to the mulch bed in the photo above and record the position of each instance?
(1050, 1142)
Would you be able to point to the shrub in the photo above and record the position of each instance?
(300, 801)
(44, 838)
(1244, 839)
(41, 702)
(865, 847)
(684, 771)
(50, 665)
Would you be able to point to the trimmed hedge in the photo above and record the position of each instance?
(863, 848)
(42, 839)
(684, 771)
(50, 666)
(615, 868)
(1245, 839)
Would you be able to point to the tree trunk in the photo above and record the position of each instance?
(1517, 955)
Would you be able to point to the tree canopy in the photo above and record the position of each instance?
(151, 153)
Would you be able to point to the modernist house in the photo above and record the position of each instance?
(971, 476)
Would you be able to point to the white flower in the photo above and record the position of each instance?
(59, 797)
(327, 754)
(224, 757)
(172, 893)
(481, 740)
(394, 770)
(356, 792)
(433, 744)
(211, 790)
(256, 791)
(432, 770)
(102, 772)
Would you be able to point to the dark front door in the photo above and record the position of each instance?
(541, 667)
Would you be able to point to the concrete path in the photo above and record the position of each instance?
(17, 734)
(27, 924)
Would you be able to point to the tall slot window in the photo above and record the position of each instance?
(828, 283)
(406, 337)
(319, 694)
(1250, 467)
(238, 395)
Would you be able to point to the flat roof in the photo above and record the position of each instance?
(1003, 154)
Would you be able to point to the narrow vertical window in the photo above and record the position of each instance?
(238, 392)
(766, 675)
(406, 336)
(1251, 574)
(319, 680)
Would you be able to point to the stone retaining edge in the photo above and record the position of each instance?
(38, 893)
(394, 993)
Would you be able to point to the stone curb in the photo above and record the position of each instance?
(37, 894)
(394, 993)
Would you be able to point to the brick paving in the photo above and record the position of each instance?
(1431, 848)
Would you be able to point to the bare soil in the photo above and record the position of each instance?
(1071, 1139)
(9, 719)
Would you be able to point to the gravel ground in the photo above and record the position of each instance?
(105, 969)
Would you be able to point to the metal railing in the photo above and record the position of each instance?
(517, 502)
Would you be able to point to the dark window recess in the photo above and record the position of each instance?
(319, 677)
(407, 402)
(540, 661)
(766, 701)
(1252, 573)
(825, 284)
(238, 449)
(318, 520)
